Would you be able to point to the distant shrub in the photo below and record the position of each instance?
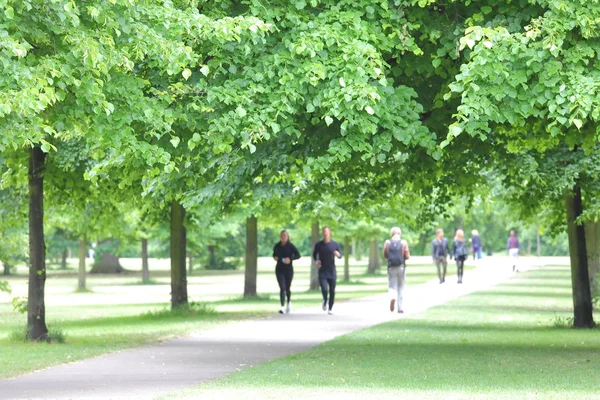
(563, 322)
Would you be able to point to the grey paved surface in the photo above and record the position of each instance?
(155, 370)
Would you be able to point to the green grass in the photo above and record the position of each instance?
(503, 343)
(116, 312)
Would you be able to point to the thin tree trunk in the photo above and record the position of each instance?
(314, 274)
(36, 307)
(82, 267)
(582, 298)
(145, 266)
(7, 268)
(212, 258)
(63, 259)
(347, 259)
(539, 243)
(374, 262)
(179, 297)
(592, 241)
(190, 261)
(355, 249)
(251, 257)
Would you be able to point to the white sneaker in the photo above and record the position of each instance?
(330, 312)
(288, 308)
(325, 305)
(282, 310)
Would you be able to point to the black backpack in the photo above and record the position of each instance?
(395, 253)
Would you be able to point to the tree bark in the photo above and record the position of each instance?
(63, 259)
(374, 261)
(314, 273)
(7, 268)
(82, 267)
(251, 258)
(582, 298)
(347, 259)
(355, 249)
(36, 307)
(592, 241)
(145, 267)
(179, 297)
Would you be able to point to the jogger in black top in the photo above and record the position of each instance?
(324, 254)
(284, 253)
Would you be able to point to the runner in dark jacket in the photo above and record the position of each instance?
(284, 253)
(324, 255)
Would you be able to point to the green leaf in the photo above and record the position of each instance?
(205, 70)
(240, 111)
(175, 141)
(369, 110)
(328, 120)
(186, 73)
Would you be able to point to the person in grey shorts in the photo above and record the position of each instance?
(396, 251)
(439, 254)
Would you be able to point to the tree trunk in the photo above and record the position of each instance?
(6, 268)
(190, 261)
(251, 257)
(374, 261)
(63, 259)
(347, 259)
(179, 297)
(582, 298)
(539, 243)
(82, 257)
(592, 242)
(212, 258)
(528, 246)
(109, 264)
(355, 249)
(145, 267)
(314, 238)
(36, 307)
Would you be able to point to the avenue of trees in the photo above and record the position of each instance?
(177, 120)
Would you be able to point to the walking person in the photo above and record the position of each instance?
(396, 251)
(459, 251)
(476, 244)
(512, 245)
(285, 253)
(439, 252)
(324, 255)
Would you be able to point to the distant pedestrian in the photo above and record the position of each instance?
(459, 251)
(396, 251)
(324, 255)
(284, 253)
(512, 245)
(476, 244)
(439, 254)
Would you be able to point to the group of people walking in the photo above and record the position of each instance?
(395, 251)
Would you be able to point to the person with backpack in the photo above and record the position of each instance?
(439, 254)
(459, 251)
(284, 253)
(396, 251)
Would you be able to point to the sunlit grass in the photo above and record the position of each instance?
(496, 344)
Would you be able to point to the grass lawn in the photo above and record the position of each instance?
(117, 312)
(504, 343)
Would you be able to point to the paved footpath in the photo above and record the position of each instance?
(155, 370)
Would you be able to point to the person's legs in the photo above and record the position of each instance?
(288, 284)
(401, 281)
(460, 263)
(282, 288)
(438, 264)
(331, 281)
(393, 286)
(445, 268)
(323, 283)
